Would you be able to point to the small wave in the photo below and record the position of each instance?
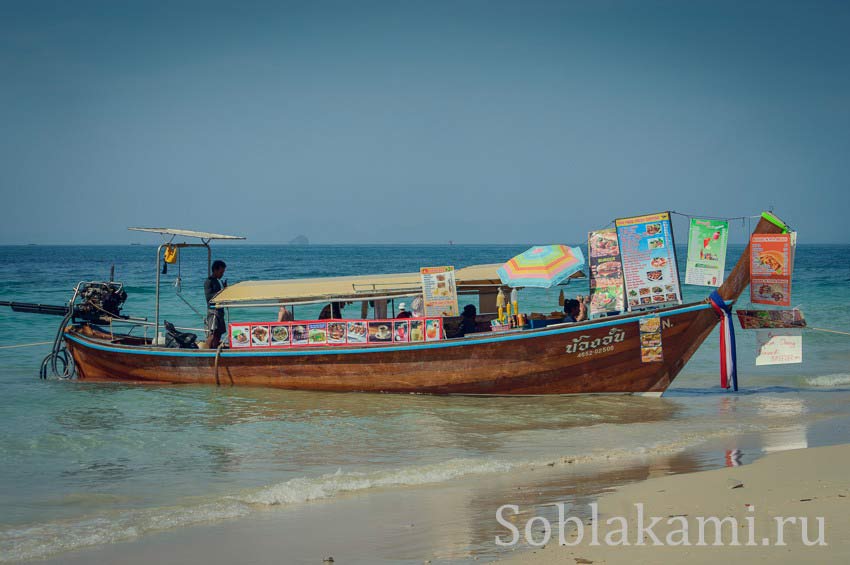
(300, 489)
(834, 380)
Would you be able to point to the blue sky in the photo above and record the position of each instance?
(473, 121)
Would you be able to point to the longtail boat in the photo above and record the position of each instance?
(596, 356)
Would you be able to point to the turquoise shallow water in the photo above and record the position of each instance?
(86, 464)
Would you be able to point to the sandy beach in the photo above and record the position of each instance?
(807, 483)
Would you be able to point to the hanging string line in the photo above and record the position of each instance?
(702, 216)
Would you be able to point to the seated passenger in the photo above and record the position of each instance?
(467, 321)
(332, 311)
(284, 315)
(402, 311)
(575, 310)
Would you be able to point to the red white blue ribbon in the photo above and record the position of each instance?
(728, 354)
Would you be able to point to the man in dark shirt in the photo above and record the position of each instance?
(215, 316)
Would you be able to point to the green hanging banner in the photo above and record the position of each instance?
(707, 241)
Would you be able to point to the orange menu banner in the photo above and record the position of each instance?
(439, 291)
(770, 269)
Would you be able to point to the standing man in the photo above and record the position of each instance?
(215, 316)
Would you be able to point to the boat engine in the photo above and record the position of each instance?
(100, 301)
(93, 302)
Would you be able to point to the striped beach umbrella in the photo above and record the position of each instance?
(542, 266)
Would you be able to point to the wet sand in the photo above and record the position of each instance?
(808, 483)
(455, 521)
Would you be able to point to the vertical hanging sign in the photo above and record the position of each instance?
(650, 339)
(649, 261)
(706, 252)
(770, 269)
(606, 272)
(439, 291)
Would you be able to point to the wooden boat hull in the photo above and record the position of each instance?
(591, 357)
(600, 356)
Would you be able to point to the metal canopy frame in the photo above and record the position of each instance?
(205, 238)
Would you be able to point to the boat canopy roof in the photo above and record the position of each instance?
(188, 233)
(476, 278)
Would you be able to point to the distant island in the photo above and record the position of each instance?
(299, 240)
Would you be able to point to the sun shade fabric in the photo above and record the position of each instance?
(542, 266)
(351, 288)
(187, 233)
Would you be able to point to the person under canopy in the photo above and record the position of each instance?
(467, 321)
(403, 312)
(332, 311)
(575, 310)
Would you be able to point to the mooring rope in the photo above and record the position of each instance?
(826, 330)
(217, 356)
(25, 344)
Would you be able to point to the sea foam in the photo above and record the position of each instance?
(833, 380)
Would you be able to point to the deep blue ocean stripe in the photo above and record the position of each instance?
(346, 351)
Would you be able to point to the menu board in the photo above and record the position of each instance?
(300, 334)
(433, 329)
(770, 269)
(607, 293)
(706, 252)
(317, 333)
(417, 330)
(357, 332)
(439, 291)
(260, 335)
(280, 335)
(648, 256)
(337, 332)
(779, 347)
(401, 331)
(650, 339)
(334, 332)
(240, 335)
(380, 331)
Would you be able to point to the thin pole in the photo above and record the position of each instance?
(156, 303)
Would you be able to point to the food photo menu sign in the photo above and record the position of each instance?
(334, 332)
(606, 272)
(706, 252)
(649, 261)
(770, 269)
(439, 291)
